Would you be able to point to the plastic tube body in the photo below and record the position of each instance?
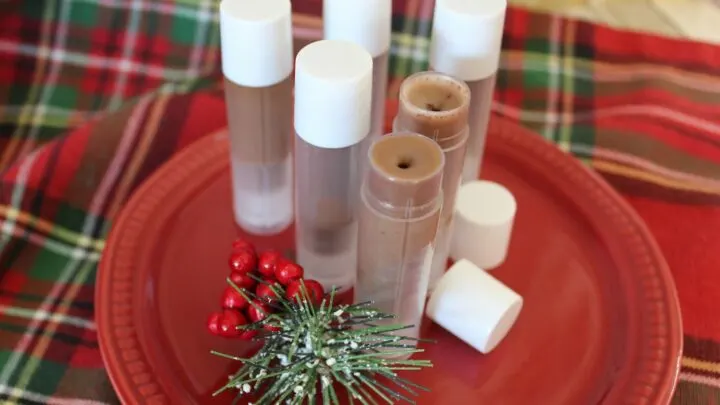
(328, 184)
(479, 117)
(379, 94)
(260, 155)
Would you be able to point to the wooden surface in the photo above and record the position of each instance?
(691, 19)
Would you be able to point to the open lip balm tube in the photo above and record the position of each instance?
(436, 105)
(398, 217)
(257, 63)
(466, 43)
(333, 89)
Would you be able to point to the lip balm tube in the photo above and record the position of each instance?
(367, 23)
(257, 63)
(333, 90)
(466, 43)
(401, 201)
(436, 105)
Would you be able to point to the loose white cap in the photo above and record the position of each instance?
(333, 94)
(474, 306)
(466, 37)
(484, 217)
(256, 41)
(367, 23)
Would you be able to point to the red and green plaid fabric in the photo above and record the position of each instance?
(96, 94)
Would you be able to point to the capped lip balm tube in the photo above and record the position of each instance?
(333, 89)
(466, 43)
(257, 62)
(399, 215)
(436, 105)
(367, 23)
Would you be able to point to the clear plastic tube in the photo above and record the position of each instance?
(466, 44)
(398, 220)
(333, 97)
(436, 105)
(260, 155)
(368, 24)
(328, 183)
(256, 44)
(480, 108)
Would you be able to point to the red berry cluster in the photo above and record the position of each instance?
(259, 277)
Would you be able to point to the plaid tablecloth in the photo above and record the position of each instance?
(96, 94)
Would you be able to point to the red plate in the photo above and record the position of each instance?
(601, 323)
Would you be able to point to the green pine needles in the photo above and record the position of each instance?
(316, 355)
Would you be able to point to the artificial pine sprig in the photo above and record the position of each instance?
(309, 352)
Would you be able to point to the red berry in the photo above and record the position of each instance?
(241, 244)
(231, 299)
(265, 293)
(287, 272)
(267, 262)
(258, 310)
(242, 280)
(213, 323)
(271, 328)
(242, 261)
(314, 291)
(247, 334)
(229, 323)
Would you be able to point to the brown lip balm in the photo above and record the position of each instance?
(398, 219)
(434, 105)
(260, 127)
(257, 118)
(437, 106)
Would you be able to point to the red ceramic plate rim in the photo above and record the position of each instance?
(655, 327)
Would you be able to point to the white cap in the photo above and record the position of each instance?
(333, 94)
(256, 41)
(466, 37)
(475, 307)
(484, 217)
(367, 23)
